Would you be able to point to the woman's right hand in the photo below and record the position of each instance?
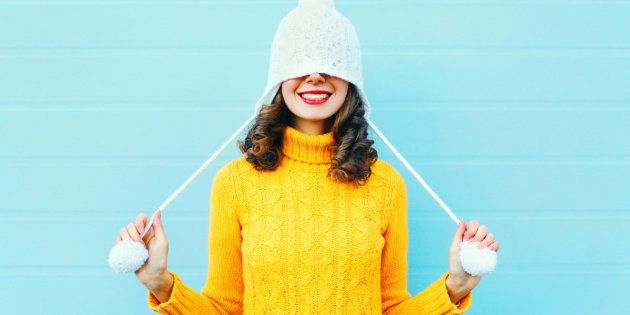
(154, 273)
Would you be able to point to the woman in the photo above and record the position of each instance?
(309, 220)
(312, 243)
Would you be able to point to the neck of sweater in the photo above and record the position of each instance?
(306, 151)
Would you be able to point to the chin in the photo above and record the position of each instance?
(313, 115)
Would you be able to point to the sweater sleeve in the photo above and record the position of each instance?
(223, 290)
(395, 298)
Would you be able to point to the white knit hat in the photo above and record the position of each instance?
(314, 37)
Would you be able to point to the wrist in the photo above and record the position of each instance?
(456, 288)
(455, 283)
(160, 283)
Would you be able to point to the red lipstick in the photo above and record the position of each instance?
(315, 102)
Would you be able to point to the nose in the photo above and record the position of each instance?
(315, 78)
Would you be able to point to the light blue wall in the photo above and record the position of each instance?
(515, 112)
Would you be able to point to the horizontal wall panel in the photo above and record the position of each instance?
(105, 293)
(199, 77)
(422, 132)
(508, 191)
(575, 241)
(155, 24)
(122, 294)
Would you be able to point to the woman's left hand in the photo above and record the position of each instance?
(458, 279)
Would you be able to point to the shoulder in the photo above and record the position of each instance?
(389, 174)
(230, 171)
(228, 180)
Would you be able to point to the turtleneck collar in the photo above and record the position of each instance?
(303, 148)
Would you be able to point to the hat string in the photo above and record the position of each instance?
(240, 129)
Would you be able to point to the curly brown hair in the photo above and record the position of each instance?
(353, 151)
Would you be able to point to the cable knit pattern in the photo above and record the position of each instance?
(292, 241)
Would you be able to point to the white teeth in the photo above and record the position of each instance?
(315, 96)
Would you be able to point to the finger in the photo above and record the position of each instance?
(152, 229)
(133, 232)
(141, 222)
(157, 223)
(481, 233)
(487, 241)
(148, 236)
(124, 234)
(459, 232)
(494, 246)
(471, 229)
(118, 239)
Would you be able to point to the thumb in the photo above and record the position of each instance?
(459, 232)
(158, 226)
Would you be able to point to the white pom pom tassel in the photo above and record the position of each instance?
(477, 261)
(127, 256)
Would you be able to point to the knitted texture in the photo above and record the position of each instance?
(293, 241)
(314, 37)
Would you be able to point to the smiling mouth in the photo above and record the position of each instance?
(314, 99)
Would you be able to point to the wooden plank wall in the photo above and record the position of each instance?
(515, 112)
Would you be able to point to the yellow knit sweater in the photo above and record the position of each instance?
(293, 241)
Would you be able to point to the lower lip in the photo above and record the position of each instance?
(315, 102)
